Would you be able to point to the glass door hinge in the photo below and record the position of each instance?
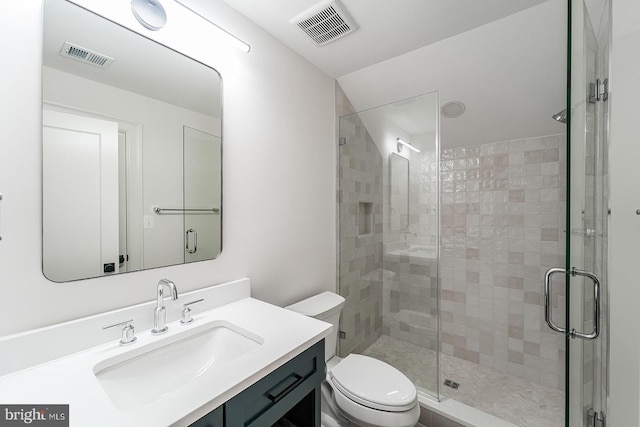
(596, 419)
(599, 91)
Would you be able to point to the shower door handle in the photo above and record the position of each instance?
(547, 299)
(596, 303)
(195, 241)
(596, 306)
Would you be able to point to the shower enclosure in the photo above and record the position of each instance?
(444, 249)
(442, 255)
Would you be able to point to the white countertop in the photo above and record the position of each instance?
(70, 379)
(414, 251)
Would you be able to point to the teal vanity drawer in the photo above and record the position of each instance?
(267, 401)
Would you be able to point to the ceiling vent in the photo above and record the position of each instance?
(325, 22)
(85, 55)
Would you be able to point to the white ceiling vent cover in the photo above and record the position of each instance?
(325, 22)
(87, 56)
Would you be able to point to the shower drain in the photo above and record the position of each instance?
(449, 383)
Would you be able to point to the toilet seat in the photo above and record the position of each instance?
(373, 383)
(363, 416)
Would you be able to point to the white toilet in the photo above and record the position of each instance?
(359, 389)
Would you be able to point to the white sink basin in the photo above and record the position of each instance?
(160, 368)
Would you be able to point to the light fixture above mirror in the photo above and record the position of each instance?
(403, 143)
(149, 13)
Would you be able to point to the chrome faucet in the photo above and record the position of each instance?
(160, 312)
(406, 241)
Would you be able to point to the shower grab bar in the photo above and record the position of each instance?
(596, 303)
(159, 211)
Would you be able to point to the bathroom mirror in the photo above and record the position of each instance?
(132, 161)
(399, 191)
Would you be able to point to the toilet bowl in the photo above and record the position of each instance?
(359, 389)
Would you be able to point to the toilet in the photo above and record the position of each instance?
(359, 390)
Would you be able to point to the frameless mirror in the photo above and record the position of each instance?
(399, 192)
(132, 162)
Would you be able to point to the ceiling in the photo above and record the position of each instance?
(505, 59)
(387, 28)
(511, 84)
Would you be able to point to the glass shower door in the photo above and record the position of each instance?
(388, 221)
(202, 160)
(587, 214)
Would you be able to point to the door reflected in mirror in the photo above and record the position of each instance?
(132, 159)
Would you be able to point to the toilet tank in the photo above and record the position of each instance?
(327, 307)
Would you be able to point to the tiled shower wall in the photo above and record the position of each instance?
(360, 254)
(423, 197)
(502, 227)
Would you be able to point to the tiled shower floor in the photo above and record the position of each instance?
(514, 399)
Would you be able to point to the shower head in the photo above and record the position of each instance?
(561, 116)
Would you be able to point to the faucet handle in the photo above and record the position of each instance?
(128, 332)
(186, 311)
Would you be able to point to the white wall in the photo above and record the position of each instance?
(278, 183)
(624, 229)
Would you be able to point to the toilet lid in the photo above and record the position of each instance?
(373, 383)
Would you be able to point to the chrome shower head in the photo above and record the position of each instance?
(561, 116)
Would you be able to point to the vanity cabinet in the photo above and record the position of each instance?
(214, 418)
(287, 397)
